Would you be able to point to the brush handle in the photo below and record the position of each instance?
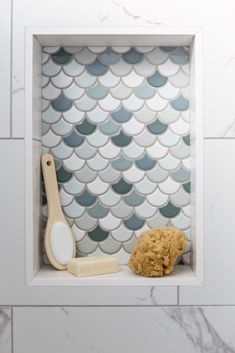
(53, 199)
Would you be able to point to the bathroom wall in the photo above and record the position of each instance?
(198, 319)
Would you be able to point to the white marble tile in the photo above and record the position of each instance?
(102, 330)
(5, 67)
(219, 220)
(5, 330)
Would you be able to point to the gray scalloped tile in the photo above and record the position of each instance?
(118, 128)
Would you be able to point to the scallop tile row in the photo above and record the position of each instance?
(117, 121)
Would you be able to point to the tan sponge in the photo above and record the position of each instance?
(156, 251)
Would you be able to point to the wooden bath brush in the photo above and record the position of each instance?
(59, 239)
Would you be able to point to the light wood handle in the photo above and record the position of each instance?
(49, 175)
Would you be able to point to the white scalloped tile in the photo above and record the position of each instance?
(168, 115)
(45, 128)
(85, 103)
(133, 103)
(85, 80)
(158, 198)
(109, 222)
(73, 49)
(120, 49)
(44, 81)
(45, 57)
(50, 92)
(50, 115)
(44, 104)
(50, 68)
(181, 221)
(133, 151)
(122, 233)
(74, 210)
(97, 163)
(73, 163)
(157, 103)
(110, 150)
(145, 115)
(97, 139)
(65, 198)
(109, 103)
(109, 79)
(122, 256)
(50, 139)
(145, 186)
(133, 127)
(51, 50)
(73, 115)
(186, 68)
(145, 210)
(180, 127)
(97, 50)
(157, 221)
(180, 79)
(168, 91)
(157, 150)
(157, 56)
(61, 80)
(145, 138)
(168, 68)
(187, 210)
(186, 162)
(144, 49)
(110, 198)
(133, 174)
(73, 68)
(62, 127)
(121, 91)
(121, 68)
(145, 68)
(186, 115)
(169, 186)
(169, 162)
(62, 151)
(185, 92)
(73, 91)
(98, 186)
(168, 138)
(157, 174)
(78, 233)
(85, 56)
(73, 186)
(97, 115)
(132, 79)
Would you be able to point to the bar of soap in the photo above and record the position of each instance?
(92, 265)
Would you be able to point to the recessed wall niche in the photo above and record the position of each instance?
(117, 121)
(121, 114)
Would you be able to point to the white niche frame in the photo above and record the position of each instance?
(36, 273)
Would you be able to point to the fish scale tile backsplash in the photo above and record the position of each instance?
(117, 122)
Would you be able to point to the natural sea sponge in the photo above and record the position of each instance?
(156, 251)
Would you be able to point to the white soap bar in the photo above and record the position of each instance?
(92, 265)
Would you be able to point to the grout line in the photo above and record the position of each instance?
(12, 336)
(11, 138)
(178, 295)
(218, 138)
(11, 69)
(123, 306)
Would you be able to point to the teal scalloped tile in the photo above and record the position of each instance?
(61, 57)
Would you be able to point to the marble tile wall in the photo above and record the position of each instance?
(206, 324)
